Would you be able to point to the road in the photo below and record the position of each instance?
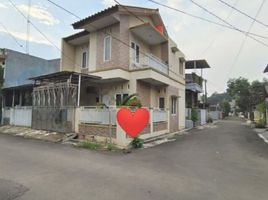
(228, 161)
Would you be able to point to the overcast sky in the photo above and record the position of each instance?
(197, 39)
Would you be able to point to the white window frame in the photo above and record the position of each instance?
(134, 53)
(174, 105)
(86, 64)
(104, 48)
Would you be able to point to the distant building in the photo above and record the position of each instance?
(17, 69)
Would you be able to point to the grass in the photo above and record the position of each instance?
(89, 145)
(97, 145)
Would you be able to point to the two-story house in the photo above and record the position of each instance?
(194, 87)
(130, 49)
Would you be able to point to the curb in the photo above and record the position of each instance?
(262, 137)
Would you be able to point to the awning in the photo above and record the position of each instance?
(64, 76)
(196, 64)
(148, 34)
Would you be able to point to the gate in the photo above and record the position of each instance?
(54, 107)
(59, 119)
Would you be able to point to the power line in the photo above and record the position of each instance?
(144, 22)
(40, 32)
(214, 39)
(12, 36)
(130, 11)
(115, 38)
(28, 26)
(213, 14)
(59, 6)
(244, 40)
(243, 13)
(207, 20)
(126, 44)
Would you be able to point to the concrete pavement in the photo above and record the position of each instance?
(228, 161)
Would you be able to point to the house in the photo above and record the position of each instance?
(120, 51)
(194, 87)
(17, 88)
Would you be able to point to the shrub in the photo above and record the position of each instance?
(261, 123)
(210, 120)
(89, 145)
(194, 116)
(111, 147)
(136, 143)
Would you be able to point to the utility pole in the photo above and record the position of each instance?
(205, 93)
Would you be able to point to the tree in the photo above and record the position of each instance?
(218, 98)
(226, 108)
(257, 93)
(239, 89)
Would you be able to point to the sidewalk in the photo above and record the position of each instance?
(262, 133)
(27, 132)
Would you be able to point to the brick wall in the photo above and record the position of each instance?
(95, 130)
(160, 126)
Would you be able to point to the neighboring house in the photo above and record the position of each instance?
(17, 88)
(215, 112)
(194, 87)
(120, 51)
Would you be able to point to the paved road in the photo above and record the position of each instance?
(225, 162)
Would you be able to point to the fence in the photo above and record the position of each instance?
(18, 116)
(95, 115)
(215, 115)
(159, 116)
(202, 117)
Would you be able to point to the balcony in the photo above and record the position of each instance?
(194, 83)
(150, 61)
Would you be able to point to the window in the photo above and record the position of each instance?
(107, 48)
(120, 98)
(162, 103)
(84, 60)
(135, 52)
(181, 66)
(173, 105)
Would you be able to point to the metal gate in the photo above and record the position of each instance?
(54, 107)
(59, 119)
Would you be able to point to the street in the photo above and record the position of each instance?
(227, 161)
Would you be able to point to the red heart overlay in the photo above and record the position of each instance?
(133, 123)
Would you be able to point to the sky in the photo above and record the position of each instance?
(229, 53)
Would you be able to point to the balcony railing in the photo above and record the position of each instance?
(150, 61)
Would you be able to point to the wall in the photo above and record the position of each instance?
(79, 50)
(67, 56)
(108, 91)
(114, 61)
(174, 63)
(174, 118)
(20, 67)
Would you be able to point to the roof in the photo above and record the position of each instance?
(104, 13)
(19, 87)
(196, 64)
(266, 69)
(76, 35)
(63, 75)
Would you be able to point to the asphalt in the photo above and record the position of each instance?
(228, 161)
